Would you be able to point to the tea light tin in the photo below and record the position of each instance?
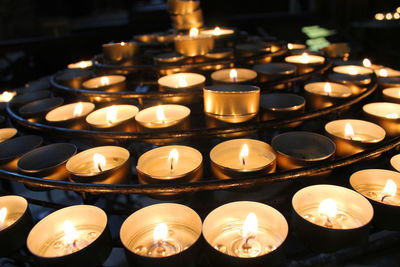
(183, 81)
(73, 236)
(36, 110)
(113, 117)
(385, 114)
(353, 136)
(182, 7)
(164, 234)
(252, 49)
(391, 94)
(15, 223)
(83, 64)
(70, 115)
(73, 78)
(168, 58)
(163, 116)
(100, 165)
(234, 75)
(231, 103)
(191, 46)
(122, 51)
(269, 72)
(375, 185)
(329, 217)
(7, 133)
(188, 20)
(245, 233)
(387, 82)
(26, 98)
(305, 62)
(220, 53)
(109, 83)
(355, 77)
(321, 95)
(300, 149)
(242, 157)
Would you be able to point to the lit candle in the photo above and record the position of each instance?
(245, 230)
(392, 94)
(218, 31)
(112, 116)
(385, 114)
(73, 78)
(239, 157)
(106, 83)
(321, 95)
(7, 96)
(305, 62)
(236, 75)
(355, 77)
(7, 133)
(81, 64)
(194, 44)
(352, 70)
(181, 82)
(387, 72)
(162, 116)
(119, 52)
(294, 46)
(70, 115)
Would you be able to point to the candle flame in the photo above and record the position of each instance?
(78, 110)
(104, 81)
(84, 64)
(160, 232)
(390, 188)
(328, 207)
(250, 226)
(123, 43)
(367, 63)
(217, 31)
(388, 16)
(193, 32)
(328, 88)
(348, 131)
(353, 71)
(111, 115)
(160, 114)
(244, 154)
(181, 81)
(383, 73)
(392, 116)
(99, 161)
(173, 158)
(304, 58)
(290, 46)
(7, 96)
(233, 75)
(3, 214)
(70, 233)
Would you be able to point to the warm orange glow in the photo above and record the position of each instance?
(123, 43)
(367, 63)
(327, 88)
(160, 114)
(233, 75)
(290, 46)
(392, 116)
(160, 232)
(104, 81)
(328, 207)
(390, 188)
(193, 32)
(304, 58)
(353, 71)
(7, 96)
(217, 31)
(379, 16)
(388, 16)
(111, 115)
(181, 81)
(99, 161)
(348, 131)
(70, 234)
(78, 110)
(244, 154)
(383, 73)
(250, 226)
(3, 215)
(396, 15)
(173, 158)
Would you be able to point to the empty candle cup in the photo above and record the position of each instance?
(115, 117)
(321, 95)
(73, 78)
(35, 111)
(236, 75)
(245, 233)
(270, 72)
(73, 236)
(385, 114)
(109, 83)
(329, 217)
(380, 188)
(162, 234)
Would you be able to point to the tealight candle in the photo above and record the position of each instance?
(385, 114)
(392, 94)
(305, 62)
(7, 133)
(7, 96)
(73, 78)
(236, 75)
(163, 116)
(70, 115)
(387, 72)
(166, 58)
(329, 217)
(84, 64)
(15, 223)
(368, 64)
(294, 46)
(111, 83)
(181, 82)
(352, 70)
(112, 116)
(321, 95)
(232, 103)
(220, 53)
(25, 98)
(218, 31)
(36, 110)
(242, 157)
(244, 232)
(355, 77)
(387, 82)
(380, 187)
(354, 136)
(72, 236)
(166, 234)
(252, 49)
(275, 71)
(122, 51)
(102, 165)
(194, 44)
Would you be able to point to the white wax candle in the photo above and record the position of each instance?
(328, 89)
(352, 70)
(305, 59)
(182, 80)
(111, 116)
(69, 112)
(162, 116)
(103, 81)
(385, 110)
(357, 130)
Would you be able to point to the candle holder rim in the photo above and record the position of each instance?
(241, 89)
(132, 43)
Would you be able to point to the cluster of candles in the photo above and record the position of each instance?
(389, 15)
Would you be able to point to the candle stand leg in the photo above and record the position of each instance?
(88, 198)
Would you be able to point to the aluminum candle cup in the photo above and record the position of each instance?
(380, 188)
(305, 62)
(182, 7)
(355, 77)
(392, 95)
(181, 82)
(36, 110)
(115, 117)
(163, 234)
(73, 236)
(245, 233)
(223, 36)
(47, 162)
(295, 49)
(321, 95)
(73, 78)
(146, 38)
(235, 75)
(168, 58)
(387, 82)
(12, 149)
(83, 64)
(194, 44)
(7, 133)
(100, 165)
(188, 20)
(117, 52)
(329, 217)
(231, 103)
(383, 72)
(15, 223)
(242, 157)
(109, 83)
(275, 71)
(354, 136)
(26, 98)
(220, 53)
(302, 149)
(276, 106)
(252, 49)
(385, 114)
(70, 115)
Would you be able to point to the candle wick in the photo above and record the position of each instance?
(235, 79)
(172, 165)
(243, 161)
(383, 198)
(246, 244)
(99, 167)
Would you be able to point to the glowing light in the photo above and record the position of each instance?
(390, 188)
(173, 158)
(70, 234)
(182, 82)
(392, 116)
(304, 58)
(78, 110)
(160, 114)
(7, 96)
(383, 73)
(348, 131)
(353, 71)
(367, 63)
(123, 43)
(388, 16)
(104, 81)
(233, 75)
(160, 232)
(217, 31)
(290, 46)
(193, 32)
(111, 115)
(328, 207)
(396, 15)
(244, 154)
(250, 226)
(379, 16)
(99, 161)
(3, 215)
(328, 89)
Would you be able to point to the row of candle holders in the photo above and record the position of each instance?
(325, 217)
